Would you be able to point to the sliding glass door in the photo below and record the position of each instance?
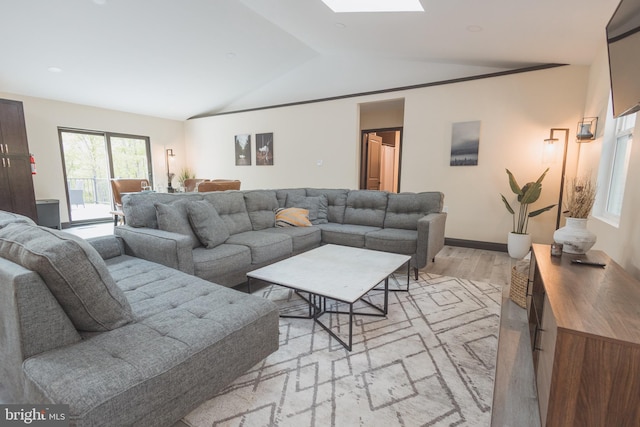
(90, 160)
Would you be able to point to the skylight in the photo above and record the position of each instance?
(340, 6)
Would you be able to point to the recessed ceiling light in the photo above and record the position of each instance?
(474, 28)
(340, 6)
(231, 55)
(340, 25)
(100, 2)
(54, 69)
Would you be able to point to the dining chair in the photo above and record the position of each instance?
(120, 186)
(190, 184)
(219, 185)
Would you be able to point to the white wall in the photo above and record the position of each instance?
(381, 115)
(303, 135)
(622, 242)
(516, 111)
(43, 117)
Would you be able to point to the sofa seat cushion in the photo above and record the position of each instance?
(393, 240)
(73, 271)
(303, 238)
(223, 259)
(187, 329)
(152, 288)
(366, 207)
(345, 234)
(265, 246)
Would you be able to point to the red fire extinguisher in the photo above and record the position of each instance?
(32, 160)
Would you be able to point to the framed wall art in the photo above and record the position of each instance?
(243, 150)
(264, 149)
(465, 143)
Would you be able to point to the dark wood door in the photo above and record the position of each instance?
(374, 155)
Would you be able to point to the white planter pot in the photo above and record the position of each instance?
(518, 245)
(574, 236)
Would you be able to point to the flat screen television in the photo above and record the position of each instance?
(623, 42)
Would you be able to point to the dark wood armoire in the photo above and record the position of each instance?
(16, 182)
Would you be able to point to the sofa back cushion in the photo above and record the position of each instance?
(261, 206)
(7, 218)
(317, 207)
(336, 202)
(404, 209)
(366, 207)
(283, 194)
(139, 208)
(231, 207)
(174, 217)
(74, 273)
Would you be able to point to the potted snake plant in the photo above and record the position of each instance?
(184, 174)
(519, 240)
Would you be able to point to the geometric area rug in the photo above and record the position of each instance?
(430, 362)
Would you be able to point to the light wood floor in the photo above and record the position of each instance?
(515, 403)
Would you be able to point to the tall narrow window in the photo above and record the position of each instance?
(624, 134)
(614, 163)
(90, 159)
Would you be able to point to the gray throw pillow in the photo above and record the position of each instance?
(207, 224)
(73, 271)
(317, 207)
(173, 217)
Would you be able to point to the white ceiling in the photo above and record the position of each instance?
(182, 58)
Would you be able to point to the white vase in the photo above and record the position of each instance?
(574, 236)
(518, 245)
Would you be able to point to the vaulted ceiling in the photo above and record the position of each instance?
(183, 58)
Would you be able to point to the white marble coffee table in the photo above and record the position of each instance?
(334, 272)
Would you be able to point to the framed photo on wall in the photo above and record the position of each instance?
(243, 150)
(465, 143)
(264, 149)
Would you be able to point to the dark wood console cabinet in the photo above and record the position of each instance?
(585, 335)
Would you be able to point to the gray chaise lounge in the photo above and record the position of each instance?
(241, 233)
(122, 340)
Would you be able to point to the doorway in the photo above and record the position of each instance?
(380, 162)
(89, 160)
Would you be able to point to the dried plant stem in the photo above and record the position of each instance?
(581, 195)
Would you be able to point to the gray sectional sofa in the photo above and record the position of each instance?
(121, 340)
(220, 236)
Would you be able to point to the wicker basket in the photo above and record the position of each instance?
(518, 289)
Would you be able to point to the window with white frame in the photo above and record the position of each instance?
(614, 163)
